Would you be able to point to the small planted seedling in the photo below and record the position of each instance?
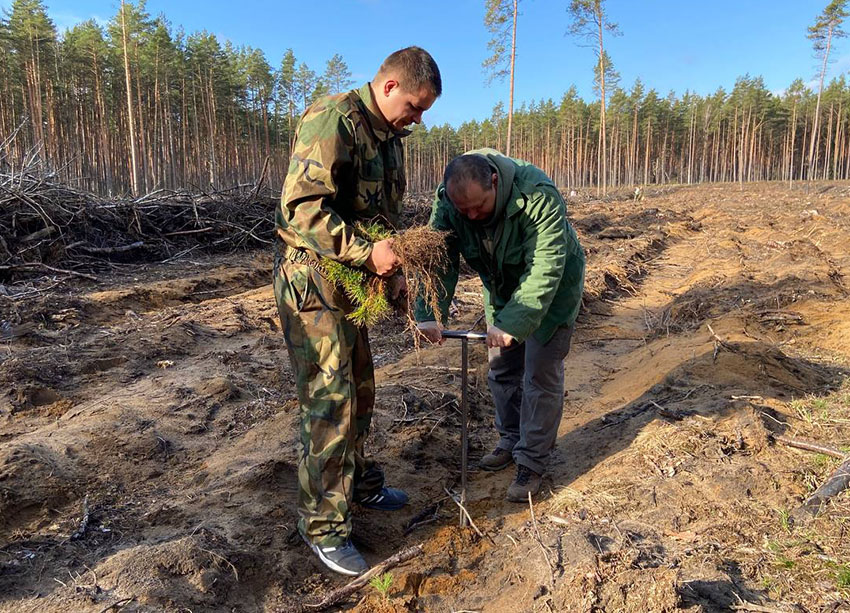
(382, 584)
(842, 577)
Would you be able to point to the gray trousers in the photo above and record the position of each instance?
(527, 383)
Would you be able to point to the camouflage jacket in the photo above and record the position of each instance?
(347, 165)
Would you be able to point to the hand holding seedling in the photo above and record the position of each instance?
(383, 261)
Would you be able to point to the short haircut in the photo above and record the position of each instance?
(415, 69)
(469, 167)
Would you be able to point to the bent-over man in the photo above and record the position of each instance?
(508, 220)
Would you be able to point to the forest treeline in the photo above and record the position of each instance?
(204, 114)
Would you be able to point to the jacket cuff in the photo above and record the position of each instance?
(359, 251)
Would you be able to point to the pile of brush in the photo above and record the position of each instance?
(45, 224)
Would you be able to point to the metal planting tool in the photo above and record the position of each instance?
(465, 337)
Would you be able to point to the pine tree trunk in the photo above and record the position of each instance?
(511, 99)
(813, 144)
(133, 161)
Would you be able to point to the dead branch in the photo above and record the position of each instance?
(425, 516)
(8, 331)
(120, 604)
(781, 317)
(84, 523)
(540, 541)
(837, 483)
(798, 444)
(363, 580)
(50, 268)
(183, 232)
(723, 343)
(419, 524)
(218, 556)
(43, 233)
(744, 605)
(105, 250)
(465, 512)
(667, 413)
(262, 179)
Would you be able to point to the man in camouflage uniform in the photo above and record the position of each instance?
(347, 165)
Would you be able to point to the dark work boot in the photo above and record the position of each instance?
(496, 460)
(526, 481)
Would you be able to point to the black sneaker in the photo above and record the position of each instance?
(496, 460)
(526, 482)
(343, 559)
(388, 499)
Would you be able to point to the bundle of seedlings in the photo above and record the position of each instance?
(422, 252)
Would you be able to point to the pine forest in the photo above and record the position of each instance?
(194, 111)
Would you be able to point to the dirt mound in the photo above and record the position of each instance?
(191, 572)
(33, 479)
(187, 572)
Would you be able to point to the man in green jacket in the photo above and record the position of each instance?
(508, 220)
(346, 166)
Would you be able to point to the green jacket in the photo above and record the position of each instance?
(347, 165)
(533, 282)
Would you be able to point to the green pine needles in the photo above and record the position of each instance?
(422, 252)
(366, 291)
(382, 584)
(373, 231)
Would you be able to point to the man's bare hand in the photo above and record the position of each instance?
(383, 261)
(432, 331)
(498, 338)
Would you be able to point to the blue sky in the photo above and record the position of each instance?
(695, 45)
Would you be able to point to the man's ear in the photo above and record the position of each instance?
(494, 179)
(390, 85)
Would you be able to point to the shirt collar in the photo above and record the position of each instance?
(383, 130)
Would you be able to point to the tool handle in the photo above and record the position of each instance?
(470, 336)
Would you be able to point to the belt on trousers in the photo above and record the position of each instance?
(299, 256)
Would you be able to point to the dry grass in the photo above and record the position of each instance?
(825, 414)
(605, 499)
(804, 562)
(721, 512)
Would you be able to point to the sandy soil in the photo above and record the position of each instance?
(158, 403)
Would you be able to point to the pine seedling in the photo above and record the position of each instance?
(382, 584)
(365, 291)
(422, 252)
(373, 231)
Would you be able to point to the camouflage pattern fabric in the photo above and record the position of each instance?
(346, 166)
(334, 377)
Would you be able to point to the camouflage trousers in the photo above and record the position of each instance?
(335, 379)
